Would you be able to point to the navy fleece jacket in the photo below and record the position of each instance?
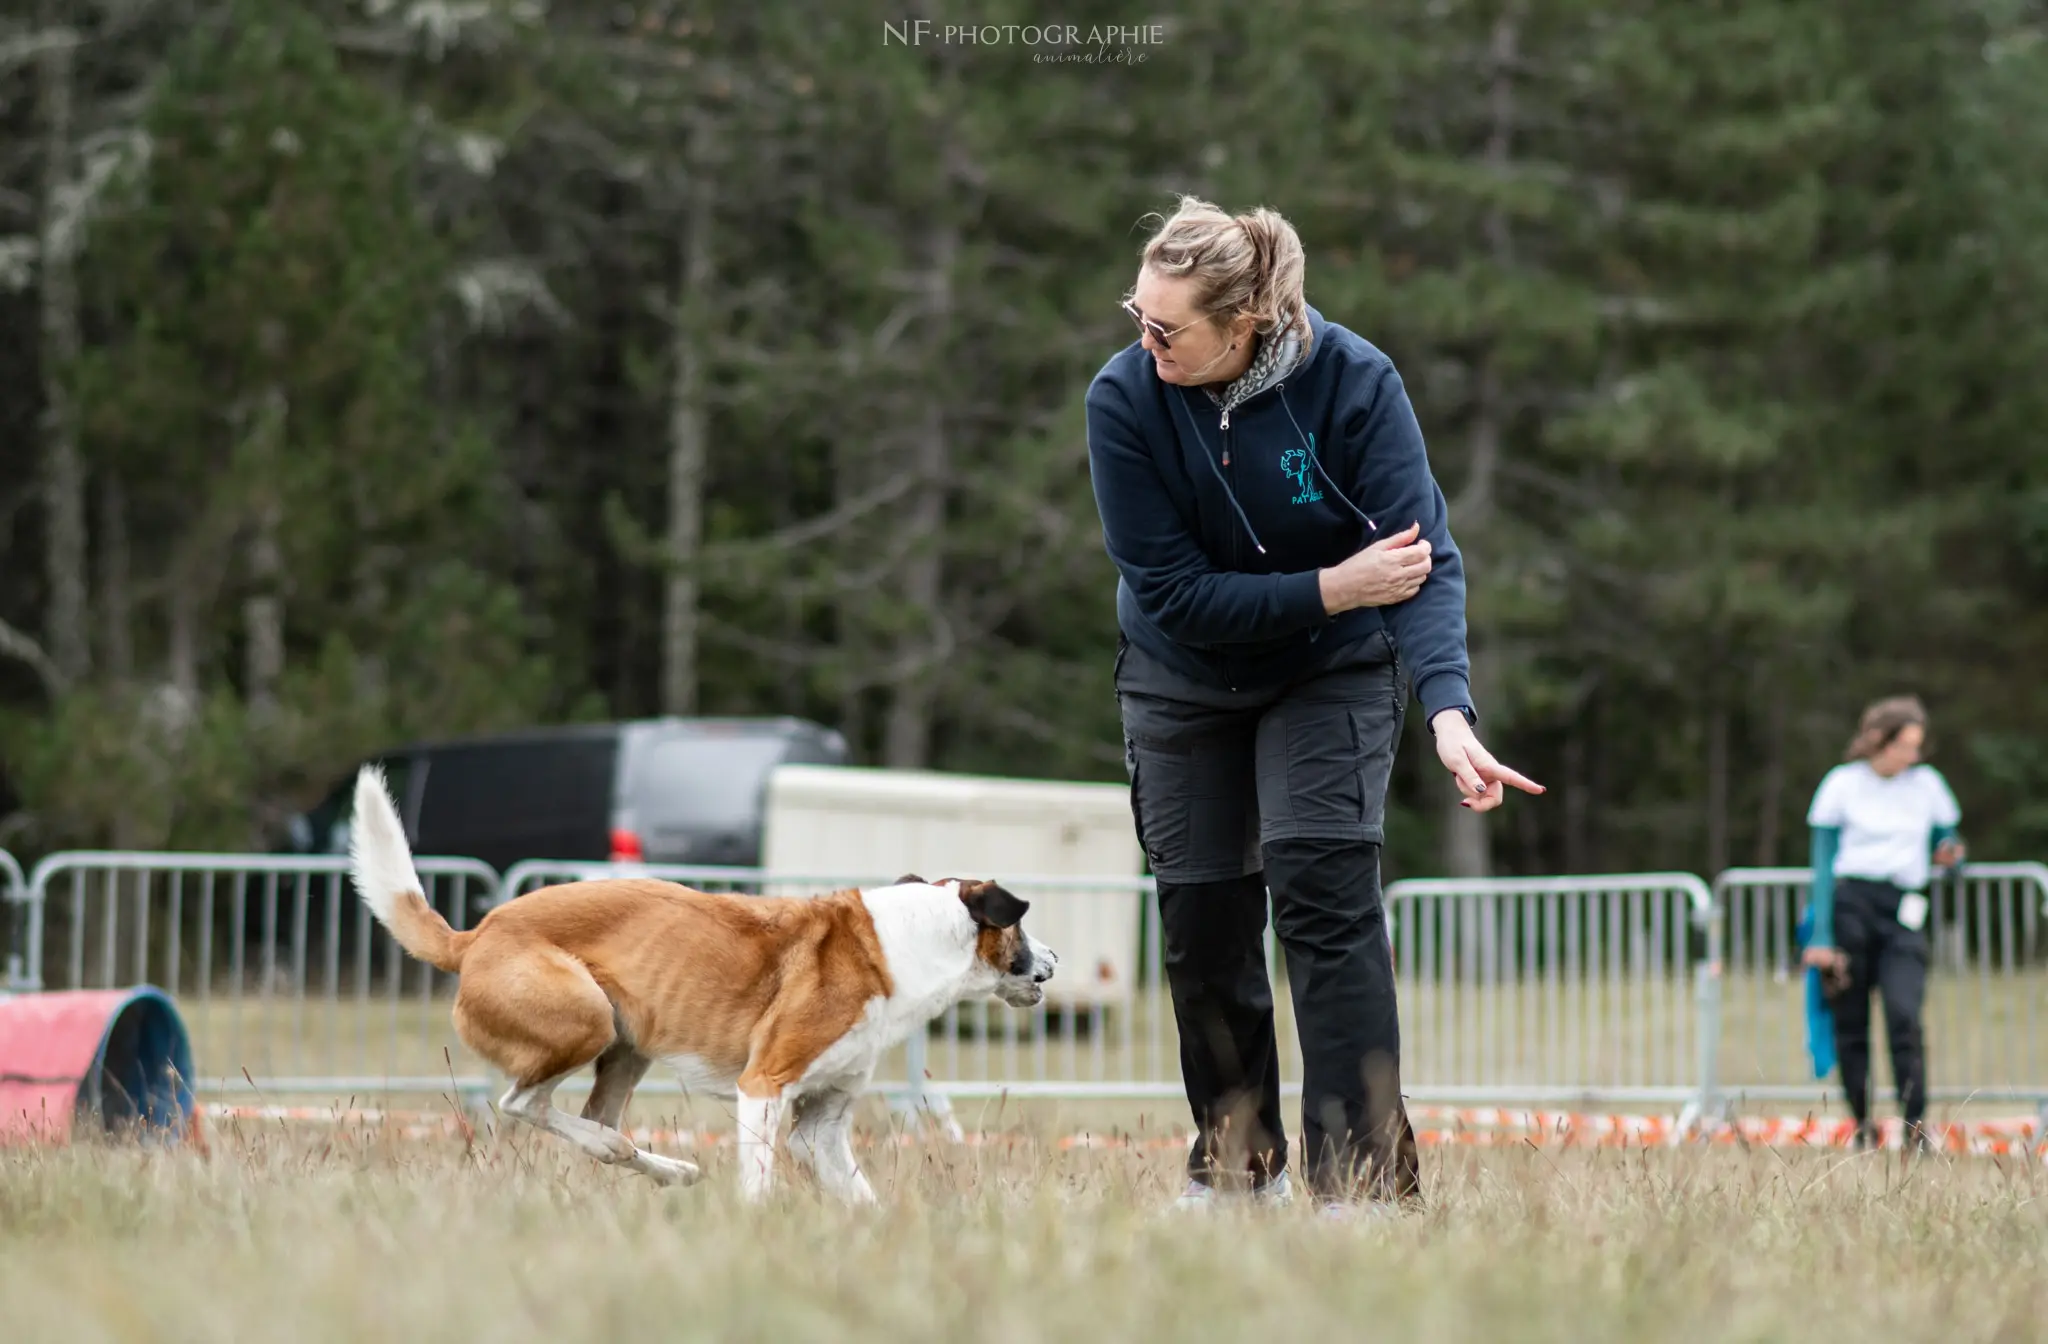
(1218, 524)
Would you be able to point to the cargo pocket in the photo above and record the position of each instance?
(1375, 732)
(1161, 804)
(1196, 818)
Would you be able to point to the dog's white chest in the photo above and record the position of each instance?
(852, 1058)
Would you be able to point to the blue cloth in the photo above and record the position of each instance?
(1218, 523)
(1817, 929)
(1820, 1019)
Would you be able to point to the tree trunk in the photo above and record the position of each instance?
(852, 645)
(687, 433)
(907, 738)
(263, 608)
(63, 468)
(1771, 794)
(181, 656)
(1599, 787)
(116, 596)
(792, 679)
(1717, 785)
(263, 611)
(1576, 850)
(1467, 850)
(369, 594)
(199, 562)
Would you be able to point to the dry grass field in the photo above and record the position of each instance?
(310, 1234)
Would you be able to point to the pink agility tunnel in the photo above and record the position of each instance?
(83, 1062)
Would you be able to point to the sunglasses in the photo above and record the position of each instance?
(1153, 329)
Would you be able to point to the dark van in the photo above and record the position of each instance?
(668, 790)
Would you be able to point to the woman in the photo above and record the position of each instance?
(1876, 819)
(1283, 561)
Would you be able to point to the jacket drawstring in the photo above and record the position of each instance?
(1316, 461)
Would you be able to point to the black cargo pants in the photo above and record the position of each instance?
(1236, 793)
(1887, 957)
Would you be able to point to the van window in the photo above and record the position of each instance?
(708, 783)
(502, 802)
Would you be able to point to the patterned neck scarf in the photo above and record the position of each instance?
(1277, 355)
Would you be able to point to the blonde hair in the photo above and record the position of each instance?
(1241, 264)
(1884, 720)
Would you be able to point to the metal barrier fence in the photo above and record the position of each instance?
(282, 978)
(13, 918)
(1580, 989)
(1614, 989)
(1541, 989)
(1987, 988)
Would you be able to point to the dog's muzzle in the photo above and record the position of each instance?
(1027, 990)
(1044, 961)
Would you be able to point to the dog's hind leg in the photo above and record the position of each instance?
(535, 1106)
(822, 1140)
(539, 1016)
(619, 1070)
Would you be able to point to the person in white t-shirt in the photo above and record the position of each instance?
(1881, 822)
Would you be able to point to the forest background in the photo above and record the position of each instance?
(387, 369)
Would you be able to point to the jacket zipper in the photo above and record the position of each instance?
(1236, 541)
(1253, 397)
(1230, 480)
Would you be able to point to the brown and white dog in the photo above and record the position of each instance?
(781, 1002)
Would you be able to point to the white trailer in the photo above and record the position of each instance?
(843, 821)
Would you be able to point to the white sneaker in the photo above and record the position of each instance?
(1357, 1211)
(1274, 1194)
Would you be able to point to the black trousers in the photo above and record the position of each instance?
(1237, 794)
(1891, 959)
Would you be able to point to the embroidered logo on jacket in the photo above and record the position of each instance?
(1298, 463)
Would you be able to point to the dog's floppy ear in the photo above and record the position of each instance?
(907, 879)
(992, 906)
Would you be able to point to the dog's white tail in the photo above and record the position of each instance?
(389, 884)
